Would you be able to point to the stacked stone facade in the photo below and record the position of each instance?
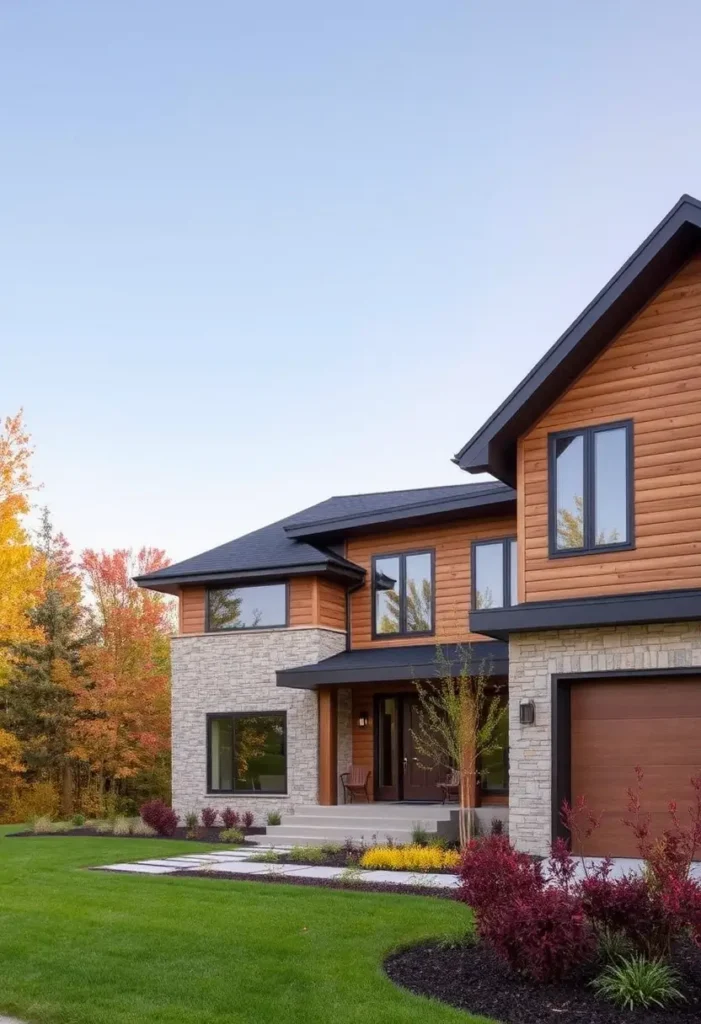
(534, 658)
(236, 672)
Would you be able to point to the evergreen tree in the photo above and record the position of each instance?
(39, 701)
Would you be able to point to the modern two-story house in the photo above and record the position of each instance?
(575, 575)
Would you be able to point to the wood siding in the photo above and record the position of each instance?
(452, 544)
(616, 725)
(651, 373)
(313, 601)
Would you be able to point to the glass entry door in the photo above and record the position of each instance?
(400, 771)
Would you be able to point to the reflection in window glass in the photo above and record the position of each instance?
(248, 753)
(386, 585)
(569, 489)
(419, 596)
(514, 573)
(222, 753)
(495, 765)
(610, 487)
(247, 607)
(489, 575)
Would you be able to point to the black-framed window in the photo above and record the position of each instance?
(494, 766)
(403, 594)
(255, 607)
(494, 573)
(590, 483)
(247, 752)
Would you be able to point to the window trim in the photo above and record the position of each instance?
(258, 794)
(589, 498)
(506, 543)
(402, 556)
(247, 586)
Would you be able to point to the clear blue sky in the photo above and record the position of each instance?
(254, 254)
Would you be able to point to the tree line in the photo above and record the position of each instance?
(84, 664)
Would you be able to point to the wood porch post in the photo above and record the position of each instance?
(328, 745)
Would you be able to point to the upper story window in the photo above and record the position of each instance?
(494, 567)
(403, 594)
(246, 607)
(591, 489)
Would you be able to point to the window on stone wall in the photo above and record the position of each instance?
(247, 752)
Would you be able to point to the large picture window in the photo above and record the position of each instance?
(246, 607)
(591, 489)
(494, 568)
(403, 594)
(247, 752)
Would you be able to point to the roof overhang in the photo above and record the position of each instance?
(171, 584)
(582, 612)
(491, 501)
(397, 664)
(662, 254)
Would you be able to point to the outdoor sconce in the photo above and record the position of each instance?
(362, 719)
(526, 712)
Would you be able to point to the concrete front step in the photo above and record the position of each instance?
(314, 835)
(304, 821)
(380, 811)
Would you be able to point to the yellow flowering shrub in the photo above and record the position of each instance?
(410, 858)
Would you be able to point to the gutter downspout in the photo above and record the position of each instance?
(349, 591)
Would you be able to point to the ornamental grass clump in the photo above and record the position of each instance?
(637, 983)
(231, 835)
(410, 858)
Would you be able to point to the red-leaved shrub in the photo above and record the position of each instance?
(230, 817)
(160, 817)
(248, 818)
(539, 929)
(209, 816)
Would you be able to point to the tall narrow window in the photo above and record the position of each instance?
(403, 594)
(494, 568)
(247, 752)
(591, 489)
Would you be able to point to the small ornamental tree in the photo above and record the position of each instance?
(457, 724)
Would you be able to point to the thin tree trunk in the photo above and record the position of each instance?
(66, 789)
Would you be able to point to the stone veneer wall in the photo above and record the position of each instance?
(236, 672)
(344, 751)
(533, 659)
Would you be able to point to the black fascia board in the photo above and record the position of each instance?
(491, 501)
(664, 251)
(343, 573)
(582, 612)
(392, 664)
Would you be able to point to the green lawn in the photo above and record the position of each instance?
(85, 947)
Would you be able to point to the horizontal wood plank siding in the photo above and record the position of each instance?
(452, 543)
(192, 604)
(651, 373)
(303, 601)
(332, 605)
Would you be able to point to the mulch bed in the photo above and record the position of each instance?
(204, 835)
(473, 978)
(321, 883)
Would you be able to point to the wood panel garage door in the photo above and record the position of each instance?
(618, 724)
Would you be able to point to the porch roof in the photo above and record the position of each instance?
(395, 664)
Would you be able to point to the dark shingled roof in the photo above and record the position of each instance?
(270, 549)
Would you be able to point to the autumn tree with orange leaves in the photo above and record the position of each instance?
(122, 730)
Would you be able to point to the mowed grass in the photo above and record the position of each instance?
(86, 947)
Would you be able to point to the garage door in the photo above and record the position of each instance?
(618, 724)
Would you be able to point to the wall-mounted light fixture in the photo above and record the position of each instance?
(526, 712)
(362, 719)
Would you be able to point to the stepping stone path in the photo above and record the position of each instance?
(238, 862)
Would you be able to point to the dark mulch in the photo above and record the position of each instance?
(321, 883)
(473, 978)
(204, 835)
(343, 859)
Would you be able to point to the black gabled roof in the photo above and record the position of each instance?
(280, 549)
(397, 664)
(493, 447)
(350, 513)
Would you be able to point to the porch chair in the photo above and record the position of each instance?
(450, 787)
(355, 781)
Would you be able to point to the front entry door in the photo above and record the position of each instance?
(420, 778)
(400, 771)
